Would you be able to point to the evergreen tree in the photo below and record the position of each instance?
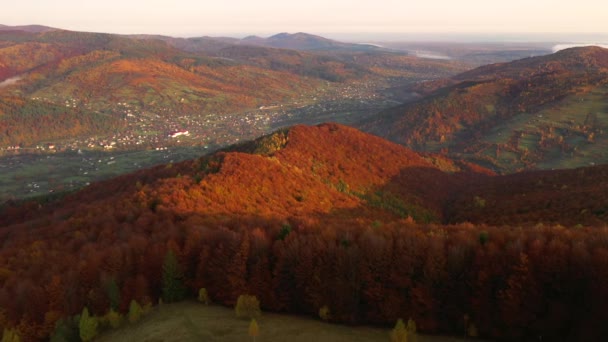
(173, 282)
(113, 294)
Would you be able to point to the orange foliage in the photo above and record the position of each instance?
(293, 227)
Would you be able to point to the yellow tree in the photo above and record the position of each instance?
(10, 335)
(399, 332)
(87, 326)
(254, 329)
(247, 306)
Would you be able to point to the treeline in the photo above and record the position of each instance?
(513, 283)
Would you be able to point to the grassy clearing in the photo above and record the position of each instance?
(565, 119)
(191, 321)
(26, 176)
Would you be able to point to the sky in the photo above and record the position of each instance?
(186, 18)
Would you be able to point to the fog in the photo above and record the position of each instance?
(10, 81)
(430, 55)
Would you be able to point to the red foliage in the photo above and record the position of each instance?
(296, 229)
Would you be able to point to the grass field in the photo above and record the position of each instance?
(191, 321)
(564, 119)
(27, 176)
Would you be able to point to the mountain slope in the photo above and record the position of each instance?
(137, 83)
(540, 112)
(311, 217)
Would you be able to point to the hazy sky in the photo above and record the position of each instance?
(234, 17)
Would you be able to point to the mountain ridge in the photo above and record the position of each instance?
(489, 109)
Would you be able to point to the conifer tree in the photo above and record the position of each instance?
(173, 282)
(113, 294)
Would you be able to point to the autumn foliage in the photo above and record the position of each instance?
(298, 228)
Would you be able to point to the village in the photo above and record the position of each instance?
(161, 128)
(150, 138)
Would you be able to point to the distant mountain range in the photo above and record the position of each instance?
(542, 112)
(28, 28)
(293, 41)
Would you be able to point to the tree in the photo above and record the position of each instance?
(411, 330)
(203, 296)
(10, 335)
(113, 319)
(399, 332)
(66, 329)
(324, 313)
(173, 282)
(254, 330)
(135, 311)
(247, 306)
(87, 325)
(113, 294)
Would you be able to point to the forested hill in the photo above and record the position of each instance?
(321, 216)
(545, 112)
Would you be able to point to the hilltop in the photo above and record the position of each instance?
(305, 41)
(321, 216)
(543, 112)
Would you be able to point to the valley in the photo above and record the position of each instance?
(69, 164)
(154, 99)
(336, 187)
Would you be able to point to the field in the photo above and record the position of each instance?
(28, 176)
(564, 128)
(189, 321)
